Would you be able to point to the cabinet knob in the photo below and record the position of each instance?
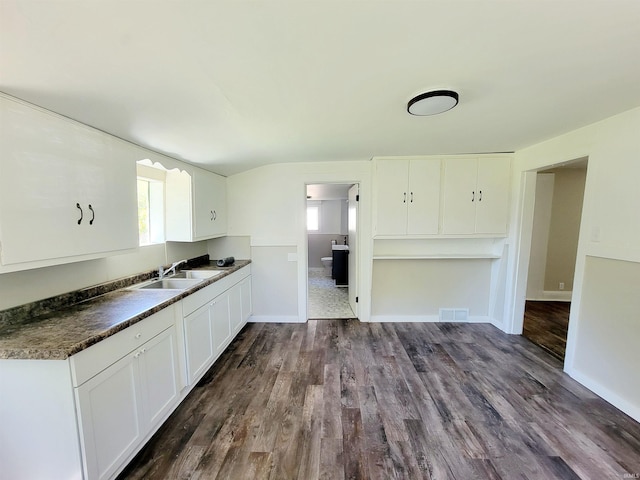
(93, 215)
(138, 335)
(81, 213)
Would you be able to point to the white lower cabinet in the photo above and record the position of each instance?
(212, 318)
(221, 321)
(198, 336)
(122, 404)
(87, 416)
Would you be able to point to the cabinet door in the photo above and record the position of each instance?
(210, 204)
(38, 187)
(423, 212)
(221, 323)
(109, 186)
(245, 289)
(198, 334)
(492, 207)
(110, 411)
(235, 308)
(52, 170)
(391, 177)
(158, 362)
(460, 196)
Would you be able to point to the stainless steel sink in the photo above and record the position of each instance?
(200, 274)
(171, 284)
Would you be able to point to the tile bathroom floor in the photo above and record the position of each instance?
(325, 299)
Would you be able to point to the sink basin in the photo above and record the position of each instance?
(339, 247)
(200, 274)
(171, 284)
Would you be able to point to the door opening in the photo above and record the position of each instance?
(554, 243)
(332, 229)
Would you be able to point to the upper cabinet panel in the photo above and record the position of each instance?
(67, 191)
(196, 205)
(424, 197)
(476, 195)
(408, 197)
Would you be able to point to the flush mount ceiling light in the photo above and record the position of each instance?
(432, 103)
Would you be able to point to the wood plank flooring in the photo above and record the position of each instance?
(546, 324)
(340, 399)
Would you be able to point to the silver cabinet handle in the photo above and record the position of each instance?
(473, 196)
(480, 196)
(404, 200)
(411, 197)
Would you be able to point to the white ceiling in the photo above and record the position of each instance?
(230, 85)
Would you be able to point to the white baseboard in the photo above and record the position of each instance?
(423, 319)
(631, 409)
(274, 319)
(552, 296)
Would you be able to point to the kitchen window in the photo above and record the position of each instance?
(150, 208)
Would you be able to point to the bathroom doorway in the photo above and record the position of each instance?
(332, 221)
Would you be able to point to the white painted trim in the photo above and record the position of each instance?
(552, 296)
(606, 394)
(275, 319)
(425, 319)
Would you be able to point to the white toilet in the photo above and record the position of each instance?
(327, 262)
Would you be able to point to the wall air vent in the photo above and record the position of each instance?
(454, 314)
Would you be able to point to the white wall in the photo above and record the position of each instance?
(610, 230)
(415, 290)
(540, 236)
(564, 228)
(269, 205)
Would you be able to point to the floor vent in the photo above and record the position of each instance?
(454, 314)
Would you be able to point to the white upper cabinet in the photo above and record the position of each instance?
(408, 196)
(196, 205)
(476, 195)
(67, 191)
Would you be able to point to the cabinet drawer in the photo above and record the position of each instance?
(199, 298)
(91, 361)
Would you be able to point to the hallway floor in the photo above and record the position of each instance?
(325, 299)
(546, 325)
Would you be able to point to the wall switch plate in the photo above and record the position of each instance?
(561, 285)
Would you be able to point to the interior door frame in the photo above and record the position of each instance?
(303, 294)
(523, 256)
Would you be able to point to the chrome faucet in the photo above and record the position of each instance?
(163, 273)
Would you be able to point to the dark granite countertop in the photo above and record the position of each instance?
(57, 333)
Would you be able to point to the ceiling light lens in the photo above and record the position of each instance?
(432, 103)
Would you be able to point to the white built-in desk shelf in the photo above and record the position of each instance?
(440, 256)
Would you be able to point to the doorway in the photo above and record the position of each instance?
(557, 212)
(332, 228)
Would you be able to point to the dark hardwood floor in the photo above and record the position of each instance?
(334, 399)
(546, 325)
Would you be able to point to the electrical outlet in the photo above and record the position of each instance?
(561, 285)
